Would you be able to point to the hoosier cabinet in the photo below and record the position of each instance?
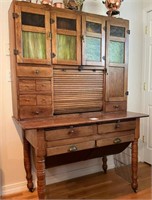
(69, 87)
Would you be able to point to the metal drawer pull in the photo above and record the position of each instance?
(73, 148)
(117, 126)
(71, 131)
(117, 141)
(116, 106)
(37, 71)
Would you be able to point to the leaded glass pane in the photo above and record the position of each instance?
(93, 27)
(66, 24)
(34, 45)
(116, 52)
(93, 49)
(117, 31)
(33, 19)
(66, 47)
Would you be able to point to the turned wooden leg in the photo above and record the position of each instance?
(40, 167)
(104, 165)
(134, 165)
(27, 164)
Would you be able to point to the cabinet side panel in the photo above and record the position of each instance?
(13, 59)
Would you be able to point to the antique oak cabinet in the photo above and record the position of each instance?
(69, 87)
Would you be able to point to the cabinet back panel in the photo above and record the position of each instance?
(77, 91)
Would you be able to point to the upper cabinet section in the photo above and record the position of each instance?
(66, 38)
(93, 40)
(32, 35)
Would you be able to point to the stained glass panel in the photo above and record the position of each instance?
(93, 49)
(34, 45)
(117, 31)
(93, 27)
(116, 52)
(66, 47)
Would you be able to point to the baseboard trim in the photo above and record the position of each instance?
(14, 188)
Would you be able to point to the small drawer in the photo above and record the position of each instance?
(44, 100)
(70, 148)
(26, 85)
(116, 126)
(35, 112)
(115, 140)
(23, 71)
(27, 100)
(43, 85)
(70, 132)
(115, 106)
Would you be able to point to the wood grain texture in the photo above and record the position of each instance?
(96, 186)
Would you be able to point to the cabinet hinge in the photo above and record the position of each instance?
(146, 30)
(16, 52)
(53, 55)
(105, 28)
(143, 139)
(128, 31)
(15, 15)
(52, 21)
(127, 93)
(105, 70)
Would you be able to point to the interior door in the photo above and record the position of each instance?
(148, 92)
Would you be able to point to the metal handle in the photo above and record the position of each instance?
(117, 141)
(37, 71)
(116, 106)
(71, 131)
(37, 112)
(73, 148)
(117, 126)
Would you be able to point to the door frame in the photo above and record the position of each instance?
(144, 122)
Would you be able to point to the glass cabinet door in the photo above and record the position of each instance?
(93, 40)
(116, 60)
(66, 47)
(32, 37)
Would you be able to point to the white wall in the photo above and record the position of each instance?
(11, 158)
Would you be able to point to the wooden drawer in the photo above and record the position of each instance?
(35, 112)
(70, 132)
(70, 148)
(115, 138)
(44, 100)
(115, 106)
(34, 71)
(116, 126)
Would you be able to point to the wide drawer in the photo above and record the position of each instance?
(34, 71)
(116, 139)
(35, 111)
(70, 148)
(116, 126)
(115, 106)
(70, 132)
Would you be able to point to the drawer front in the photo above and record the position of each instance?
(26, 85)
(43, 85)
(116, 126)
(70, 141)
(34, 71)
(70, 148)
(115, 106)
(43, 100)
(35, 112)
(27, 100)
(70, 132)
(117, 139)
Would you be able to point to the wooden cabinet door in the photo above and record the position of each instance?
(116, 60)
(32, 35)
(66, 35)
(93, 40)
